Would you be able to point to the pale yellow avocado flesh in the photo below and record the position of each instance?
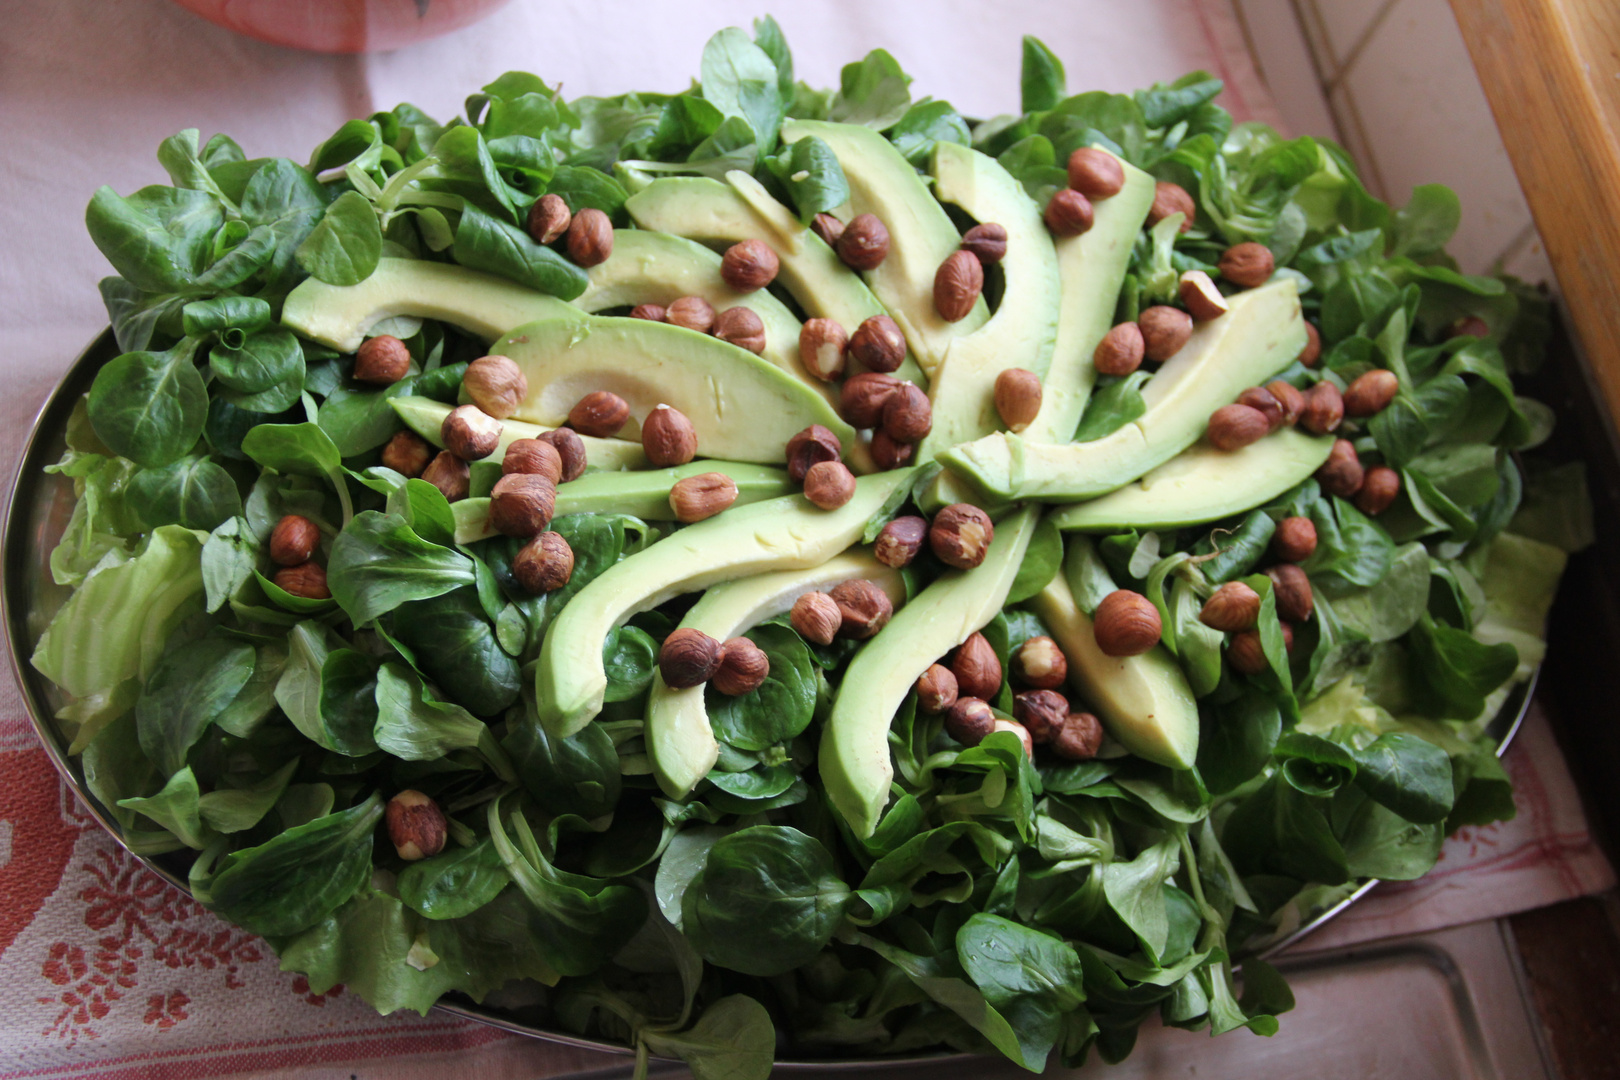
(426, 416)
(854, 755)
(779, 534)
(679, 739)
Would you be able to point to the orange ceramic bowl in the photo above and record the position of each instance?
(342, 26)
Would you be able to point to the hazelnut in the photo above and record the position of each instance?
(864, 243)
(862, 397)
(570, 448)
(1126, 624)
(522, 504)
(1312, 352)
(1164, 331)
(1470, 326)
(294, 540)
(1040, 664)
(1246, 653)
(470, 433)
(888, 454)
(1370, 393)
(1170, 199)
(1234, 608)
(688, 658)
(1266, 404)
(1021, 731)
(863, 608)
(1289, 397)
(1295, 539)
(749, 265)
(496, 385)
(590, 237)
(1292, 591)
(969, 720)
(829, 484)
(544, 564)
(908, 415)
(1068, 213)
(548, 219)
(1200, 296)
(703, 496)
(1324, 409)
(449, 474)
(1079, 738)
(382, 360)
(957, 285)
(743, 667)
(900, 540)
(1018, 398)
(1378, 490)
(1095, 173)
(828, 228)
(649, 312)
(692, 313)
(668, 437)
(416, 825)
(1232, 427)
(816, 617)
(307, 580)
(407, 453)
(1341, 474)
(977, 668)
(535, 457)
(936, 689)
(1120, 351)
(741, 327)
(822, 344)
(960, 535)
(1042, 712)
(811, 446)
(986, 242)
(1247, 265)
(600, 413)
(878, 345)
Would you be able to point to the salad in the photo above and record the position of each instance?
(775, 571)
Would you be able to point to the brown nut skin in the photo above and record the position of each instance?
(823, 346)
(470, 433)
(937, 689)
(960, 535)
(829, 484)
(1170, 199)
(1312, 352)
(1295, 539)
(862, 397)
(1040, 664)
(749, 265)
(688, 658)
(1324, 409)
(864, 243)
(900, 540)
(450, 475)
(1018, 398)
(407, 453)
(1232, 609)
(1370, 393)
(828, 228)
(1470, 326)
(668, 437)
(811, 446)
(1079, 738)
(1247, 265)
(1378, 490)
(548, 219)
(908, 415)
(1126, 624)
(496, 385)
(1042, 712)
(1341, 474)
(863, 608)
(743, 667)
(570, 448)
(1289, 397)
(1292, 590)
(533, 456)
(977, 668)
(1095, 173)
(741, 327)
(294, 540)
(416, 825)
(888, 454)
(1246, 654)
(522, 504)
(692, 313)
(1200, 296)
(600, 413)
(816, 617)
(650, 312)
(1121, 350)
(878, 345)
(307, 580)
(957, 285)
(382, 361)
(544, 564)
(697, 498)
(1266, 404)
(590, 237)
(969, 720)
(1068, 213)
(1164, 331)
(986, 242)
(1232, 427)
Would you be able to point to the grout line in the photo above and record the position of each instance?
(1360, 46)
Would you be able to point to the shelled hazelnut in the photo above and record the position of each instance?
(544, 564)
(382, 361)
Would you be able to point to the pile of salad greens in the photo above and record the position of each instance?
(1036, 908)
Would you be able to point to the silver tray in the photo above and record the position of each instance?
(36, 514)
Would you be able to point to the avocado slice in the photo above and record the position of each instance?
(486, 306)
(1203, 484)
(1144, 701)
(882, 182)
(742, 407)
(679, 740)
(779, 534)
(426, 416)
(1258, 337)
(854, 754)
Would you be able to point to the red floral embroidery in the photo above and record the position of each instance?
(300, 985)
(168, 1011)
